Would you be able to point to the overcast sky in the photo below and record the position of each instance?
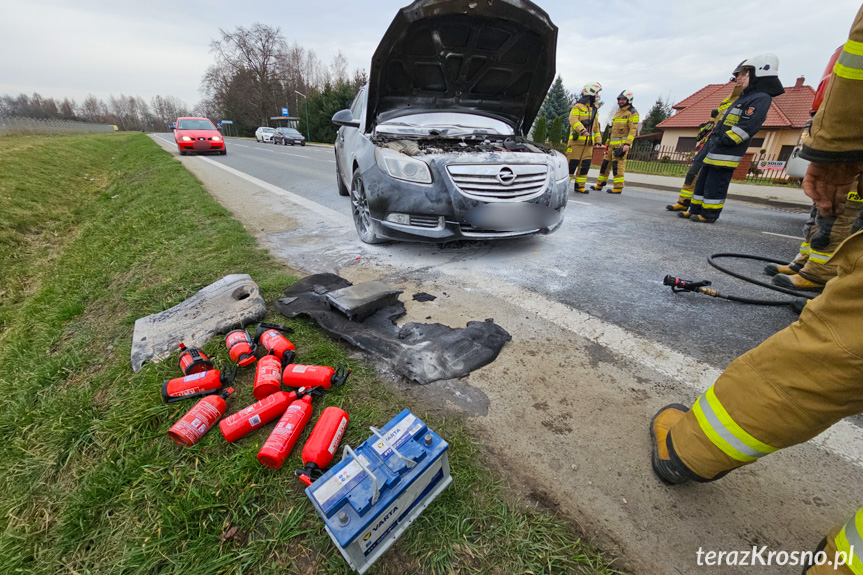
(672, 48)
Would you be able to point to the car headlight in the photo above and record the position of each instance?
(561, 167)
(186, 139)
(402, 167)
(217, 138)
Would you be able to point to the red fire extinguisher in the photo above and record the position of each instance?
(193, 360)
(283, 438)
(240, 346)
(298, 375)
(198, 420)
(260, 413)
(195, 385)
(322, 444)
(268, 376)
(270, 336)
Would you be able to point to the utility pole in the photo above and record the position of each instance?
(308, 127)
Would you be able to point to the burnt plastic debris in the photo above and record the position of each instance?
(422, 352)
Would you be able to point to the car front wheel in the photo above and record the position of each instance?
(360, 211)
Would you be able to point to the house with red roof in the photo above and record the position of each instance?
(778, 135)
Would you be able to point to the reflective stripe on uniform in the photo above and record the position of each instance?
(581, 179)
(819, 257)
(724, 432)
(614, 142)
(697, 201)
(722, 160)
(733, 135)
(685, 194)
(849, 542)
(805, 249)
(740, 132)
(618, 180)
(850, 62)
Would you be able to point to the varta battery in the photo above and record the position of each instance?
(369, 498)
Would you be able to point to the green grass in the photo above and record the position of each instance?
(99, 230)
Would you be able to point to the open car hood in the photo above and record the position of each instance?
(490, 57)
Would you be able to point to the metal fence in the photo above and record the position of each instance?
(10, 125)
(666, 161)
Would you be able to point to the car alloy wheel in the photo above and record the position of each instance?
(360, 211)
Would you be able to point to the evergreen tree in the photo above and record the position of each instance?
(554, 134)
(558, 102)
(660, 111)
(540, 133)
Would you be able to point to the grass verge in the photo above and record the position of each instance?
(101, 230)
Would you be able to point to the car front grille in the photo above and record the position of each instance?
(499, 182)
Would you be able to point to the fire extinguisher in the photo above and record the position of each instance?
(283, 438)
(268, 376)
(198, 420)
(298, 375)
(260, 413)
(196, 385)
(322, 443)
(270, 336)
(240, 346)
(193, 360)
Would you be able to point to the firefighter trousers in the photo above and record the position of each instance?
(711, 189)
(787, 390)
(691, 178)
(616, 165)
(580, 158)
(843, 539)
(828, 234)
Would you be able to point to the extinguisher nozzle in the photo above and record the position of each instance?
(340, 376)
(288, 357)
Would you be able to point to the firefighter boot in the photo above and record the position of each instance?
(701, 219)
(597, 186)
(615, 191)
(796, 281)
(579, 188)
(678, 207)
(790, 269)
(666, 468)
(685, 214)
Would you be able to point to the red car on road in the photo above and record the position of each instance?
(198, 135)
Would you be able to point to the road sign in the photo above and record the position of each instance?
(226, 122)
(285, 112)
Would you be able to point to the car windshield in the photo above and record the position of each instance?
(444, 124)
(268, 130)
(195, 125)
(292, 131)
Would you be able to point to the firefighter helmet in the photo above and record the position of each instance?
(626, 95)
(765, 65)
(591, 89)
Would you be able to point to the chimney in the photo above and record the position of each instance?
(800, 81)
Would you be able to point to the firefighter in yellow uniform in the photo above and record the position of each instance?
(624, 128)
(808, 376)
(584, 134)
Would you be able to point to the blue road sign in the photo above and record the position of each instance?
(285, 112)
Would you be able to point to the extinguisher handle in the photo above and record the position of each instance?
(263, 326)
(301, 475)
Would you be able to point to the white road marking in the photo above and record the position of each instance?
(582, 203)
(798, 238)
(844, 439)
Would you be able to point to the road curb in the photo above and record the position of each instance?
(731, 195)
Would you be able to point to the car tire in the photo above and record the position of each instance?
(182, 153)
(223, 152)
(360, 211)
(303, 144)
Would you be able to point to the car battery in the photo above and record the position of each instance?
(375, 492)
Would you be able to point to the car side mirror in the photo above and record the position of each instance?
(345, 118)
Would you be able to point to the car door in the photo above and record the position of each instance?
(349, 138)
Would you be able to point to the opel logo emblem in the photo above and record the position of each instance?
(506, 176)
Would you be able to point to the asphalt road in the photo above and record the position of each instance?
(598, 346)
(609, 258)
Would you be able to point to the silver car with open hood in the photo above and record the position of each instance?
(433, 148)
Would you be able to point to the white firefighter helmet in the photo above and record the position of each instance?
(626, 95)
(765, 65)
(591, 89)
